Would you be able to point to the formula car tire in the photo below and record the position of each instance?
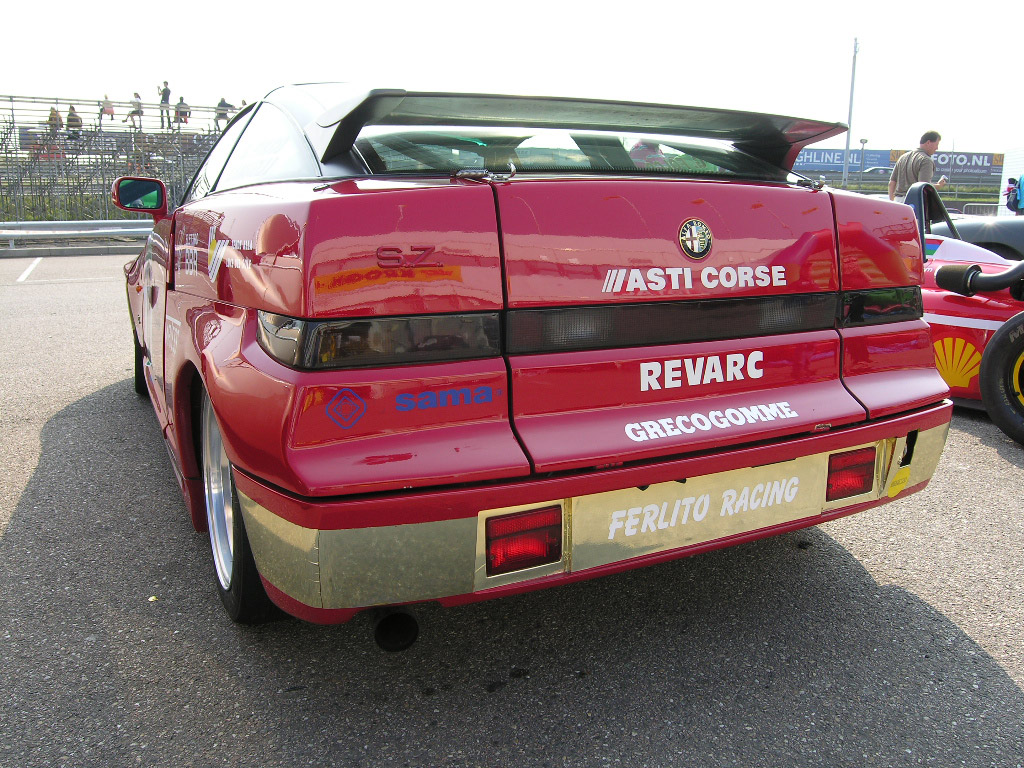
(1002, 378)
(237, 579)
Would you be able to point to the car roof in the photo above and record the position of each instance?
(333, 114)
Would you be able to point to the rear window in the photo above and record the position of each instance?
(438, 150)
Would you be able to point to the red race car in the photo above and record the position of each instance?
(412, 346)
(974, 302)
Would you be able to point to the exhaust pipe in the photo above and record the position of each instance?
(968, 279)
(395, 631)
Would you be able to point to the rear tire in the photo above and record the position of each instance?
(238, 581)
(1002, 378)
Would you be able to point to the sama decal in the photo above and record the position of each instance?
(346, 408)
(695, 239)
(409, 401)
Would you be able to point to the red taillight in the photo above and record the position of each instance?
(524, 540)
(851, 473)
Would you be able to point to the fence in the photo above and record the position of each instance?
(981, 209)
(53, 168)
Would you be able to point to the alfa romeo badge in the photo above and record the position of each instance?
(695, 238)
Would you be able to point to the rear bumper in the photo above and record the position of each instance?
(323, 560)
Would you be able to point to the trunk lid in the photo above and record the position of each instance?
(702, 312)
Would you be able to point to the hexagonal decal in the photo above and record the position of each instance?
(346, 408)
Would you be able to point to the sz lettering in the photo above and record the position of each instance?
(410, 401)
(416, 256)
(668, 374)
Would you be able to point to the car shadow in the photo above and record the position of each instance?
(978, 423)
(784, 652)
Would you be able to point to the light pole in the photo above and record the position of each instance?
(863, 143)
(849, 120)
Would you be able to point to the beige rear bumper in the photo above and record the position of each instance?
(362, 567)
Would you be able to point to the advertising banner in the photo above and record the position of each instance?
(958, 166)
(832, 159)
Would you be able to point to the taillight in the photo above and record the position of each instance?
(524, 540)
(333, 344)
(850, 474)
(881, 305)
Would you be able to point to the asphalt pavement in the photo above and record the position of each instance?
(890, 638)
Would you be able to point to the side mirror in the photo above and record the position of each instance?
(928, 208)
(141, 195)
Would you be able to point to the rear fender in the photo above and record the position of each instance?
(888, 366)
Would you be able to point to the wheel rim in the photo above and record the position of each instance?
(1016, 381)
(220, 507)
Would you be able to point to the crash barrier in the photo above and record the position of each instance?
(72, 238)
(981, 209)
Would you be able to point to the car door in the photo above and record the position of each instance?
(155, 272)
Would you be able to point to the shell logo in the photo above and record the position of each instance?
(958, 360)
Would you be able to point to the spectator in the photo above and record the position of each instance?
(54, 122)
(1012, 195)
(106, 108)
(165, 104)
(914, 166)
(222, 112)
(74, 123)
(135, 111)
(181, 112)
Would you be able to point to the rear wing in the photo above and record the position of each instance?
(773, 138)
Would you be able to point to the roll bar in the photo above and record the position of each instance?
(928, 208)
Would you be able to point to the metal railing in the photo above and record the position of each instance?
(65, 238)
(981, 209)
(51, 171)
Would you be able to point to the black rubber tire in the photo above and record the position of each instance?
(244, 597)
(140, 371)
(246, 600)
(1002, 378)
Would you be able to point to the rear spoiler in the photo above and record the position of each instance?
(773, 138)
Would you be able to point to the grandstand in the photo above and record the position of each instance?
(49, 171)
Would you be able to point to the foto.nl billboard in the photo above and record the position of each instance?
(955, 164)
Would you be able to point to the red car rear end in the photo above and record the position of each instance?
(435, 382)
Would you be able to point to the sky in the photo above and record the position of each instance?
(920, 66)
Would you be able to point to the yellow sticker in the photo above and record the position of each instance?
(899, 482)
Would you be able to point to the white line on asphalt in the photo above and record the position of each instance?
(77, 280)
(28, 271)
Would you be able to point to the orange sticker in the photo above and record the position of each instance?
(354, 279)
